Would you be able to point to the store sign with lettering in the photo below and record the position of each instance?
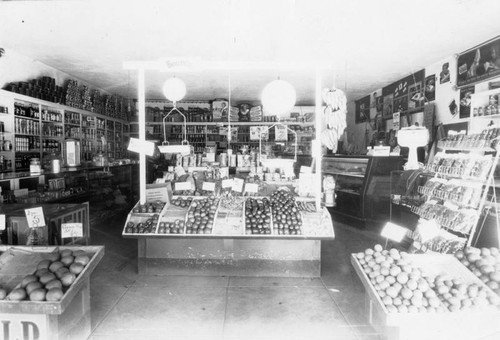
(70, 230)
(23, 326)
(35, 217)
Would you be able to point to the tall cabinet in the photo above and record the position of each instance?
(34, 128)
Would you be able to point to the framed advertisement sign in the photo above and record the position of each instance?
(405, 95)
(362, 110)
(479, 63)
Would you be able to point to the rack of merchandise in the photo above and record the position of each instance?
(35, 128)
(449, 196)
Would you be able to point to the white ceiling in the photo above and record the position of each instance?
(369, 44)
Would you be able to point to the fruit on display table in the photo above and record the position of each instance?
(287, 219)
(258, 216)
(484, 263)
(176, 227)
(52, 277)
(404, 287)
(182, 202)
(201, 215)
(148, 208)
(142, 226)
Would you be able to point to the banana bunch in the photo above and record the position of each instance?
(329, 138)
(306, 206)
(335, 98)
(334, 117)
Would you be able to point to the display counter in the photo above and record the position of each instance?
(168, 243)
(363, 185)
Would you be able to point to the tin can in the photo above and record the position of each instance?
(232, 161)
(223, 159)
(178, 159)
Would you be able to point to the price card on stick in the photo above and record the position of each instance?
(179, 171)
(252, 188)
(394, 232)
(208, 186)
(227, 183)
(71, 230)
(238, 184)
(35, 217)
(179, 186)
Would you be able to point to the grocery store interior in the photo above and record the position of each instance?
(237, 169)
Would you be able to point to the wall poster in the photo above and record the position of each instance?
(362, 110)
(430, 88)
(465, 100)
(404, 96)
(479, 64)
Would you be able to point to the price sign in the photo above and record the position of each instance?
(305, 169)
(179, 171)
(35, 217)
(2, 222)
(252, 188)
(227, 183)
(70, 230)
(208, 186)
(141, 146)
(179, 186)
(393, 232)
(238, 184)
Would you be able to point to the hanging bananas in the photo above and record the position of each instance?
(334, 117)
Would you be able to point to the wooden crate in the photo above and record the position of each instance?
(68, 318)
(461, 325)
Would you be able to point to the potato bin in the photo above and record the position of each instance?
(67, 315)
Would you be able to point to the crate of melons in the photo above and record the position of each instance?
(138, 225)
(201, 215)
(258, 216)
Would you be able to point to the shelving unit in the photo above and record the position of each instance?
(37, 128)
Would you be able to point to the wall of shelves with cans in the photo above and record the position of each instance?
(34, 128)
(202, 129)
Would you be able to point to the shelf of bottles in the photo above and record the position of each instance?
(52, 130)
(72, 125)
(110, 138)
(118, 140)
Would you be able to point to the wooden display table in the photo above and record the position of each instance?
(68, 318)
(460, 325)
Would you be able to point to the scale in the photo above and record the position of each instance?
(184, 148)
(413, 137)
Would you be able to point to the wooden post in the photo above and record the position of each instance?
(142, 134)
(316, 150)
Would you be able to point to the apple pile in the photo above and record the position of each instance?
(146, 227)
(201, 215)
(484, 263)
(149, 207)
(52, 278)
(258, 216)
(458, 295)
(182, 202)
(287, 219)
(176, 227)
(401, 287)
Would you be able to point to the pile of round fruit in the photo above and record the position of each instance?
(287, 219)
(201, 215)
(149, 207)
(52, 278)
(405, 288)
(176, 227)
(182, 202)
(146, 227)
(257, 216)
(484, 263)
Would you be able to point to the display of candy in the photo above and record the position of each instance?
(176, 227)
(485, 139)
(461, 165)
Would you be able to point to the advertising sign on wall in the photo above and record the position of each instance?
(362, 109)
(405, 95)
(479, 64)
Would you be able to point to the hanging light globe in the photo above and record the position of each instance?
(278, 97)
(174, 89)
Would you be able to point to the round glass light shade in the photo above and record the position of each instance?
(174, 89)
(278, 97)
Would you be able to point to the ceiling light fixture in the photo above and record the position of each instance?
(278, 97)
(174, 89)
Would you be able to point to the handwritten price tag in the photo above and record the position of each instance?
(394, 232)
(238, 184)
(2, 222)
(70, 230)
(35, 217)
(179, 171)
(179, 186)
(208, 186)
(227, 183)
(252, 188)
